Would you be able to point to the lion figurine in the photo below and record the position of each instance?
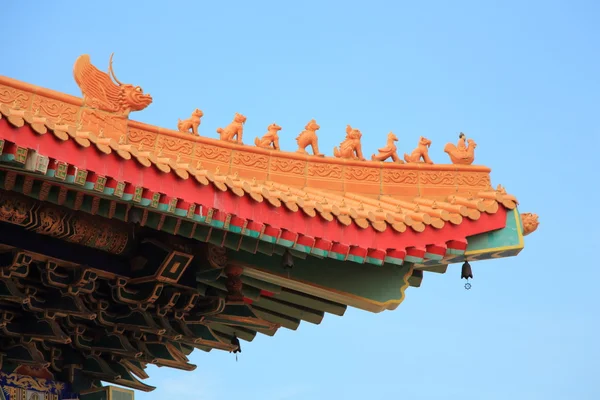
(351, 147)
(269, 138)
(309, 137)
(191, 123)
(233, 130)
(421, 152)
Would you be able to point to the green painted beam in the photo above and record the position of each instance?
(361, 286)
(289, 309)
(280, 319)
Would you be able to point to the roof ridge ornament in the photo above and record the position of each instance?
(270, 140)
(461, 153)
(99, 90)
(234, 131)
(192, 123)
(421, 152)
(350, 148)
(308, 137)
(389, 151)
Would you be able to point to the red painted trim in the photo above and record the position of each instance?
(322, 244)
(416, 252)
(236, 221)
(340, 249)
(435, 249)
(266, 293)
(377, 254)
(248, 301)
(244, 207)
(457, 244)
(305, 241)
(358, 251)
(254, 226)
(270, 231)
(399, 254)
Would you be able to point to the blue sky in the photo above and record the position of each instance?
(520, 77)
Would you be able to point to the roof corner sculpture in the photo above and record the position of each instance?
(461, 154)
(389, 151)
(530, 223)
(99, 91)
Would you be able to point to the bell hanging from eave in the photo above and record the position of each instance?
(466, 273)
(235, 342)
(287, 261)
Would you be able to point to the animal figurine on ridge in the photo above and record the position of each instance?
(461, 154)
(309, 137)
(234, 130)
(191, 123)
(421, 152)
(389, 151)
(99, 90)
(269, 138)
(350, 148)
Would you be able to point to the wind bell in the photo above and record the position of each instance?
(287, 261)
(236, 343)
(466, 273)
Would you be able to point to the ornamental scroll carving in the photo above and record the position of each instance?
(54, 109)
(287, 166)
(62, 223)
(436, 177)
(29, 383)
(250, 160)
(174, 145)
(400, 176)
(479, 179)
(362, 174)
(214, 153)
(14, 97)
(217, 256)
(325, 170)
(108, 125)
(141, 137)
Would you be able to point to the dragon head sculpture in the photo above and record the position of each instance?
(99, 90)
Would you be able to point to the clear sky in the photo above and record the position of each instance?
(520, 77)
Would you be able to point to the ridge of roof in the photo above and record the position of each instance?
(370, 177)
(347, 208)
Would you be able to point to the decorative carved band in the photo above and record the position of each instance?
(61, 223)
(217, 256)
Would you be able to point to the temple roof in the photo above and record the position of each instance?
(345, 190)
(221, 224)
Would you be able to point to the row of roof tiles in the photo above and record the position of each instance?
(346, 207)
